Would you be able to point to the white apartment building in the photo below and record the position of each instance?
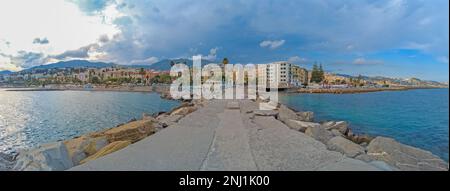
(279, 73)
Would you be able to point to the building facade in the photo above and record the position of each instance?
(299, 76)
(279, 74)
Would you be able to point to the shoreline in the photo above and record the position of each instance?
(357, 90)
(112, 89)
(93, 145)
(158, 88)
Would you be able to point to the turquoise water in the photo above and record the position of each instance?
(416, 117)
(28, 119)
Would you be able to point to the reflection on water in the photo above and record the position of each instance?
(28, 119)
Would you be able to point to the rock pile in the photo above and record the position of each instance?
(6, 161)
(66, 154)
(380, 151)
(49, 157)
(404, 157)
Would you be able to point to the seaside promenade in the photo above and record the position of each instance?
(227, 135)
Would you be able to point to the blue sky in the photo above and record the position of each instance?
(397, 38)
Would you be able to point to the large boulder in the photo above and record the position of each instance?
(341, 126)
(383, 166)
(306, 116)
(364, 157)
(345, 147)
(265, 113)
(300, 125)
(132, 132)
(167, 120)
(156, 124)
(6, 162)
(360, 139)
(184, 110)
(271, 105)
(336, 132)
(108, 149)
(404, 157)
(285, 114)
(49, 157)
(75, 148)
(146, 116)
(319, 133)
(94, 145)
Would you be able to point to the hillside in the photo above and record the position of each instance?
(72, 64)
(5, 72)
(166, 64)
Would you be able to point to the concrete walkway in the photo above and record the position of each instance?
(224, 135)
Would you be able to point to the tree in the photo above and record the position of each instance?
(360, 81)
(317, 74)
(314, 73)
(321, 73)
(225, 61)
(95, 80)
(162, 78)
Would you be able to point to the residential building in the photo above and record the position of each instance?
(299, 76)
(278, 74)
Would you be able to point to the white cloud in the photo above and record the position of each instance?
(68, 28)
(148, 61)
(212, 56)
(41, 41)
(272, 44)
(5, 64)
(297, 60)
(363, 61)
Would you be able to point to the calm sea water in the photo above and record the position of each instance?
(417, 117)
(28, 119)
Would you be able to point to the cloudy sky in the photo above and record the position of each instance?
(398, 38)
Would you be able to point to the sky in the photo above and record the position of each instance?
(395, 38)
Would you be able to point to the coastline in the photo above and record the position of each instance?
(94, 145)
(95, 88)
(164, 89)
(357, 90)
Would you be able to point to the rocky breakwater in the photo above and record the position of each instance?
(385, 153)
(348, 90)
(66, 154)
(7, 161)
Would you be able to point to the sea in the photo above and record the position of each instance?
(419, 118)
(32, 118)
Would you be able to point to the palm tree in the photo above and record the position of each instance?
(225, 61)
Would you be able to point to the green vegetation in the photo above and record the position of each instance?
(358, 82)
(225, 61)
(317, 74)
(162, 79)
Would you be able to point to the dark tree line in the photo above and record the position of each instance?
(317, 74)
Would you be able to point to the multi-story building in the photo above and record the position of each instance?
(278, 74)
(299, 76)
